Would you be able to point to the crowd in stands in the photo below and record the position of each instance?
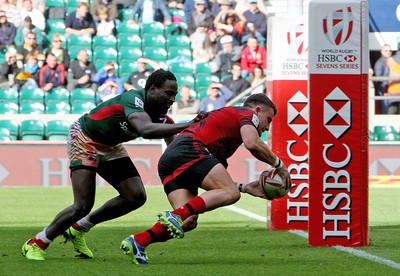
(215, 48)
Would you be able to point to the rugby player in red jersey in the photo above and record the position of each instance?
(198, 158)
(94, 147)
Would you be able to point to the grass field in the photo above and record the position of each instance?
(225, 243)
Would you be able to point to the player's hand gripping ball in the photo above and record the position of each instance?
(272, 184)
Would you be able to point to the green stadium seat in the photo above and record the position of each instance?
(185, 79)
(133, 41)
(9, 95)
(127, 67)
(203, 68)
(174, 52)
(102, 54)
(58, 94)
(178, 41)
(74, 50)
(84, 41)
(12, 125)
(81, 107)
(55, 3)
(9, 108)
(32, 130)
(387, 137)
(153, 40)
(204, 80)
(125, 14)
(59, 108)
(155, 53)
(174, 27)
(177, 14)
(5, 134)
(57, 130)
(3, 51)
(128, 54)
(82, 95)
(55, 25)
(72, 4)
(181, 67)
(127, 29)
(106, 41)
(30, 107)
(155, 28)
(383, 129)
(31, 95)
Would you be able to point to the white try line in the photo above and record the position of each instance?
(304, 234)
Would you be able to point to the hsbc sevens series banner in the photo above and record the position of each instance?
(338, 94)
(287, 84)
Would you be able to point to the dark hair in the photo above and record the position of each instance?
(259, 98)
(158, 78)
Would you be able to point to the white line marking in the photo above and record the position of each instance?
(303, 234)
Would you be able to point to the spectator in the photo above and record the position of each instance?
(111, 6)
(137, 79)
(80, 22)
(199, 15)
(105, 26)
(81, 72)
(52, 74)
(186, 104)
(217, 97)
(257, 78)
(58, 51)
(9, 69)
(36, 15)
(24, 30)
(149, 11)
(176, 4)
(37, 4)
(394, 85)
(203, 49)
(226, 57)
(381, 69)
(236, 83)
(30, 46)
(107, 81)
(28, 76)
(256, 23)
(244, 5)
(188, 6)
(225, 6)
(219, 33)
(253, 54)
(233, 24)
(7, 31)
(12, 13)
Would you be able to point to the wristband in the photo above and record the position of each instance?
(278, 163)
(240, 186)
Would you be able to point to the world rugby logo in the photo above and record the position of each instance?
(297, 39)
(337, 113)
(338, 26)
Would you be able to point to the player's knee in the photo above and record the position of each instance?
(190, 223)
(232, 195)
(81, 210)
(136, 200)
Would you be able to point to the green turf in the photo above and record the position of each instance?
(225, 243)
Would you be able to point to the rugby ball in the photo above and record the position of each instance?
(272, 184)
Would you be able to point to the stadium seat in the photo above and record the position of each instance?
(3, 51)
(57, 130)
(174, 52)
(155, 28)
(12, 125)
(384, 129)
(81, 107)
(155, 53)
(59, 108)
(106, 41)
(125, 14)
(30, 107)
(153, 40)
(9, 95)
(74, 50)
(72, 4)
(9, 108)
(181, 67)
(204, 81)
(129, 40)
(387, 137)
(55, 25)
(58, 94)
(176, 28)
(185, 79)
(5, 135)
(128, 54)
(203, 68)
(182, 41)
(55, 3)
(82, 41)
(31, 95)
(178, 15)
(82, 94)
(32, 130)
(127, 67)
(104, 54)
(127, 29)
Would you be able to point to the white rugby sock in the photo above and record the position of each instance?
(43, 237)
(85, 224)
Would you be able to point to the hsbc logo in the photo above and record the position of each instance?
(338, 26)
(350, 58)
(337, 113)
(297, 39)
(298, 113)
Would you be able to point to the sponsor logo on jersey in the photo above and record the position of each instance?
(255, 120)
(139, 103)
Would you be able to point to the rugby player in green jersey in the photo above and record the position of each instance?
(94, 147)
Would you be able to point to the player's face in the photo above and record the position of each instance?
(164, 96)
(265, 114)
